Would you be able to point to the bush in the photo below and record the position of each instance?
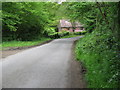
(58, 34)
(63, 33)
(98, 52)
(77, 33)
(80, 33)
(48, 31)
(54, 35)
(83, 32)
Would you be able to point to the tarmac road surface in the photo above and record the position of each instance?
(46, 66)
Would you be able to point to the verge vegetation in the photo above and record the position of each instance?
(23, 43)
(99, 49)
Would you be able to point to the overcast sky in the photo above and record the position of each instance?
(61, 1)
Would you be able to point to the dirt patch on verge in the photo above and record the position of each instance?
(10, 52)
(13, 50)
(76, 71)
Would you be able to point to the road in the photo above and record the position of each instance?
(46, 66)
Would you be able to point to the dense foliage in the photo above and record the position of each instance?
(85, 13)
(27, 20)
(98, 50)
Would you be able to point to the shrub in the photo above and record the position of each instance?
(54, 35)
(77, 33)
(63, 33)
(83, 32)
(80, 33)
(98, 52)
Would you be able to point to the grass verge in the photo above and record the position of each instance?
(99, 54)
(22, 43)
(8, 44)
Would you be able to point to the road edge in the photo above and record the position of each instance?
(77, 77)
(27, 47)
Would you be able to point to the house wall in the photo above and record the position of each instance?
(71, 29)
(66, 29)
(68, 26)
(80, 29)
(77, 29)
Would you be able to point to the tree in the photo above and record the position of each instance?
(27, 20)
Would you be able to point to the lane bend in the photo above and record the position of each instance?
(45, 66)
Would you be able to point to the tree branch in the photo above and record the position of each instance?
(103, 14)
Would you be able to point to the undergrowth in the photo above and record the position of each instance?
(99, 54)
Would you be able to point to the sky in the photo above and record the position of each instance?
(59, 2)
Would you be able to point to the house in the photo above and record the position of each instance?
(68, 26)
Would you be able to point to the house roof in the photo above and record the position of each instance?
(67, 23)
